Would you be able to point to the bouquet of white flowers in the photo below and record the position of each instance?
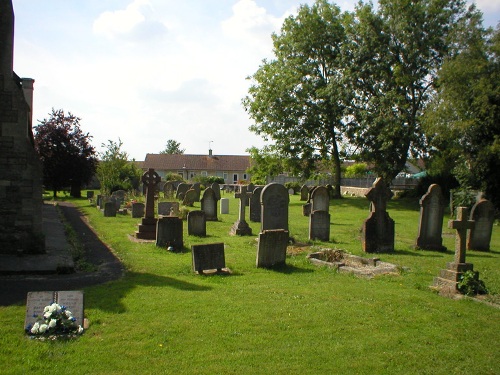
(56, 320)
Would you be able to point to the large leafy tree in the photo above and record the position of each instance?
(395, 53)
(464, 120)
(294, 98)
(115, 171)
(265, 162)
(172, 147)
(67, 156)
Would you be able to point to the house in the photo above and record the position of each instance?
(232, 168)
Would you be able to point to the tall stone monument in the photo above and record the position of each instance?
(241, 227)
(20, 168)
(147, 228)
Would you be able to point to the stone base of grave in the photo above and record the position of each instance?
(241, 228)
(147, 229)
(448, 279)
(378, 234)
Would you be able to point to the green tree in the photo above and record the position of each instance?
(172, 147)
(265, 162)
(295, 99)
(115, 171)
(394, 55)
(464, 119)
(67, 156)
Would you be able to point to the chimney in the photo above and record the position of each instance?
(6, 38)
(27, 85)
(210, 152)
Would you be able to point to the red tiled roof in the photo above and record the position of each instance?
(175, 162)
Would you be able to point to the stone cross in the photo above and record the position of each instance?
(461, 225)
(243, 195)
(379, 194)
(150, 179)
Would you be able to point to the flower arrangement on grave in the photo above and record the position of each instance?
(56, 320)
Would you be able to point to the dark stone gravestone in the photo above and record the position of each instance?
(147, 228)
(255, 207)
(274, 200)
(448, 279)
(241, 227)
(37, 301)
(431, 220)
(304, 192)
(216, 188)
(272, 248)
(250, 189)
(170, 208)
(137, 210)
(169, 233)
(208, 257)
(110, 209)
(182, 188)
(169, 190)
(306, 209)
(98, 200)
(90, 194)
(190, 197)
(197, 188)
(320, 199)
(120, 194)
(483, 214)
(197, 224)
(378, 228)
(209, 204)
(319, 226)
(224, 206)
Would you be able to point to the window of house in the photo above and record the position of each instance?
(204, 173)
(235, 178)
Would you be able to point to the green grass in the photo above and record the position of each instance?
(162, 318)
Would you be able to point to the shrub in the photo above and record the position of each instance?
(470, 285)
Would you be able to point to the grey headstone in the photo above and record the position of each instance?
(208, 257)
(431, 219)
(255, 206)
(304, 191)
(169, 190)
(137, 209)
(197, 224)
(182, 188)
(190, 198)
(483, 214)
(320, 199)
(110, 209)
(224, 206)
(164, 208)
(274, 200)
(90, 194)
(169, 232)
(319, 226)
(272, 247)
(197, 188)
(216, 188)
(209, 204)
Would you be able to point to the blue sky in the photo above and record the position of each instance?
(146, 71)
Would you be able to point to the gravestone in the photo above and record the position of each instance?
(274, 201)
(137, 210)
(483, 215)
(98, 200)
(255, 206)
(320, 199)
(182, 188)
(241, 227)
(209, 204)
(197, 188)
(90, 194)
(216, 188)
(168, 208)
(431, 220)
(147, 228)
(319, 226)
(37, 301)
(448, 279)
(378, 228)
(250, 189)
(110, 209)
(208, 257)
(120, 194)
(190, 197)
(169, 232)
(224, 206)
(304, 192)
(169, 190)
(271, 249)
(197, 224)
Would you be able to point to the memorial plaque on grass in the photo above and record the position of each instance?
(208, 257)
(37, 301)
(169, 232)
(110, 209)
(272, 246)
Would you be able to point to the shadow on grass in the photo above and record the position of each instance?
(289, 269)
(422, 253)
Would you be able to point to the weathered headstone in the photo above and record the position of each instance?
(120, 194)
(431, 220)
(216, 188)
(197, 224)
(378, 228)
(304, 192)
(110, 209)
(168, 208)
(137, 210)
(448, 279)
(197, 188)
(169, 232)
(37, 301)
(190, 197)
(90, 194)
(241, 227)
(224, 206)
(209, 204)
(169, 190)
(483, 214)
(208, 257)
(147, 228)
(320, 199)
(272, 246)
(255, 206)
(274, 200)
(182, 188)
(319, 226)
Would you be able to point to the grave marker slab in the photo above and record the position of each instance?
(224, 206)
(169, 232)
(137, 210)
(483, 215)
(320, 199)
(431, 220)
(36, 302)
(197, 224)
(190, 197)
(216, 188)
(319, 226)
(304, 192)
(110, 209)
(271, 250)
(209, 204)
(255, 206)
(208, 257)
(274, 200)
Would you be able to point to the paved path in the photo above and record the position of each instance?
(13, 288)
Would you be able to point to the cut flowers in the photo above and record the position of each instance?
(55, 320)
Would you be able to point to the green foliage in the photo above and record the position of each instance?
(173, 177)
(470, 285)
(356, 170)
(115, 171)
(67, 156)
(293, 185)
(208, 180)
(173, 147)
(265, 162)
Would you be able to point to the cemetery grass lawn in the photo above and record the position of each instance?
(299, 319)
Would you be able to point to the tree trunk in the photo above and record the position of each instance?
(337, 175)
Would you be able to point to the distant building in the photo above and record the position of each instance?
(232, 168)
